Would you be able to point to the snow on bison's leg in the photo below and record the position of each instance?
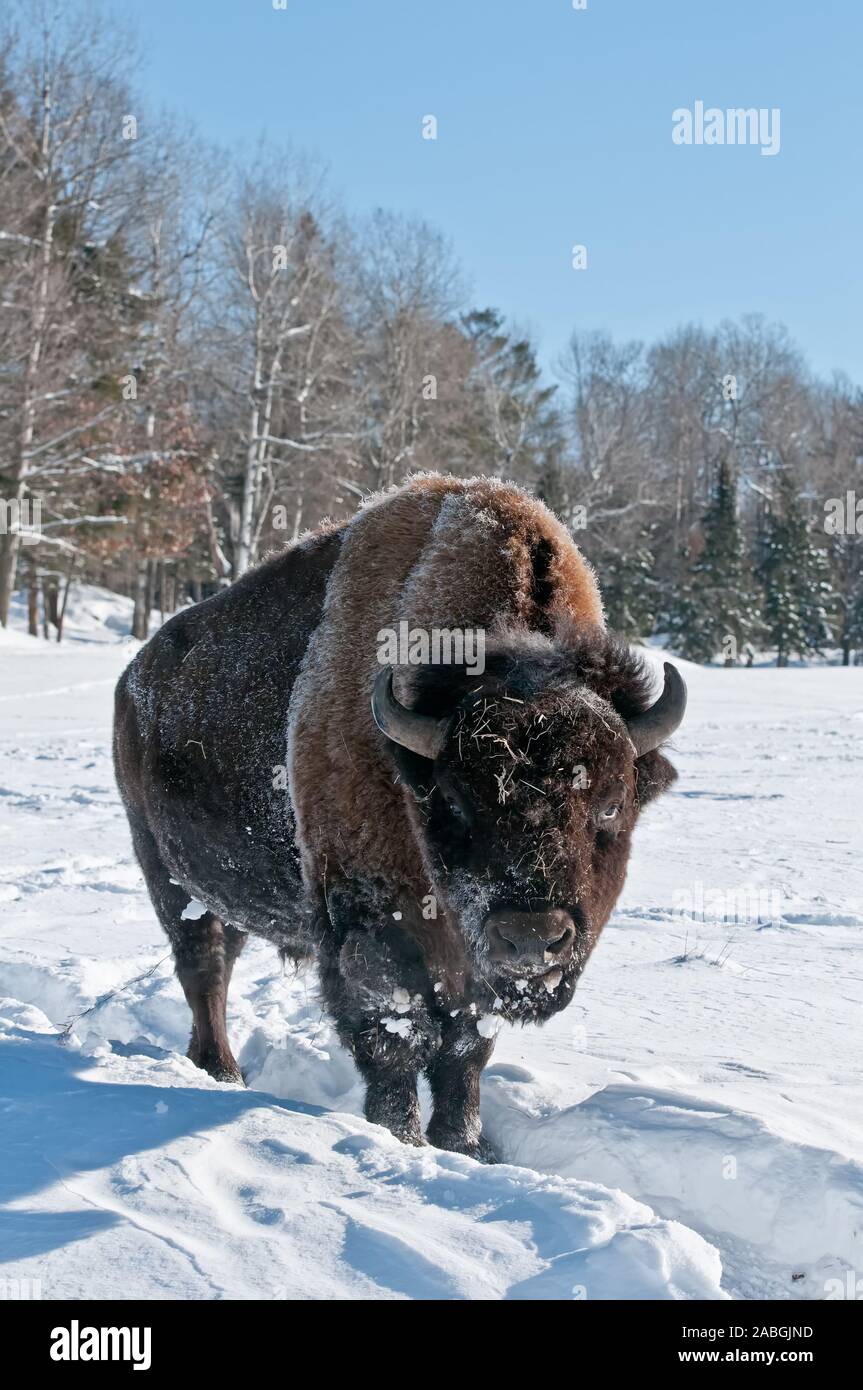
(453, 1075)
(375, 993)
(205, 950)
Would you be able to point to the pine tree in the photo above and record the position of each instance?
(847, 553)
(518, 423)
(715, 608)
(630, 589)
(553, 480)
(682, 618)
(855, 626)
(798, 597)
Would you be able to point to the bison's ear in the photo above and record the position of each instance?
(626, 679)
(414, 771)
(654, 774)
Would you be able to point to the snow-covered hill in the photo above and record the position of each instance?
(93, 615)
(691, 1127)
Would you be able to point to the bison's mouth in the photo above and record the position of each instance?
(531, 997)
(536, 945)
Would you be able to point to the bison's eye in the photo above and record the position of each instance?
(459, 812)
(457, 806)
(610, 813)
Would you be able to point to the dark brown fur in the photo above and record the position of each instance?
(369, 843)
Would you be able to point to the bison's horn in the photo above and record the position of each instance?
(422, 733)
(659, 722)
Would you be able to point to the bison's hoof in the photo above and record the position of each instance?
(232, 1075)
(455, 1142)
(485, 1152)
(406, 1134)
(220, 1067)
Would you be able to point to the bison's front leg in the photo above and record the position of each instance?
(372, 989)
(389, 1064)
(454, 1074)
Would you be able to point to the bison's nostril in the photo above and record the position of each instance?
(506, 942)
(530, 937)
(561, 942)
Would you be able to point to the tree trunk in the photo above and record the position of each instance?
(141, 610)
(33, 602)
(298, 518)
(62, 613)
(243, 552)
(46, 608)
(11, 541)
(8, 562)
(162, 586)
(53, 602)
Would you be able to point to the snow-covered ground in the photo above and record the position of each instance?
(692, 1127)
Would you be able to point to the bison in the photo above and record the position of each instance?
(448, 843)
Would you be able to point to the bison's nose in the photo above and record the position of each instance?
(528, 938)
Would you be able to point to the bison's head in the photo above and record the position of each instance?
(528, 782)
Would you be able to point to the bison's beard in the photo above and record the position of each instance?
(526, 998)
(519, 996)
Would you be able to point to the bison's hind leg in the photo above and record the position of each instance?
(204, 960)
(205, 950)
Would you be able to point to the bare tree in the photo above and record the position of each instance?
(282, 355)
(408, 288)
(62, 146)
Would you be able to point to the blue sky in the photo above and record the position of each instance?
(554, 128)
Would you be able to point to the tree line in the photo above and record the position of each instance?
(202, 355)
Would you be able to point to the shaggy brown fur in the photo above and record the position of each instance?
(440, 552)
(408, 876)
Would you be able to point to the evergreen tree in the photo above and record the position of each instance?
(517, 422)
(716, 609)
(681, 616)
(630, 589)
(847, 553)
(551, 483)
(797, 593)
(855, 626)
